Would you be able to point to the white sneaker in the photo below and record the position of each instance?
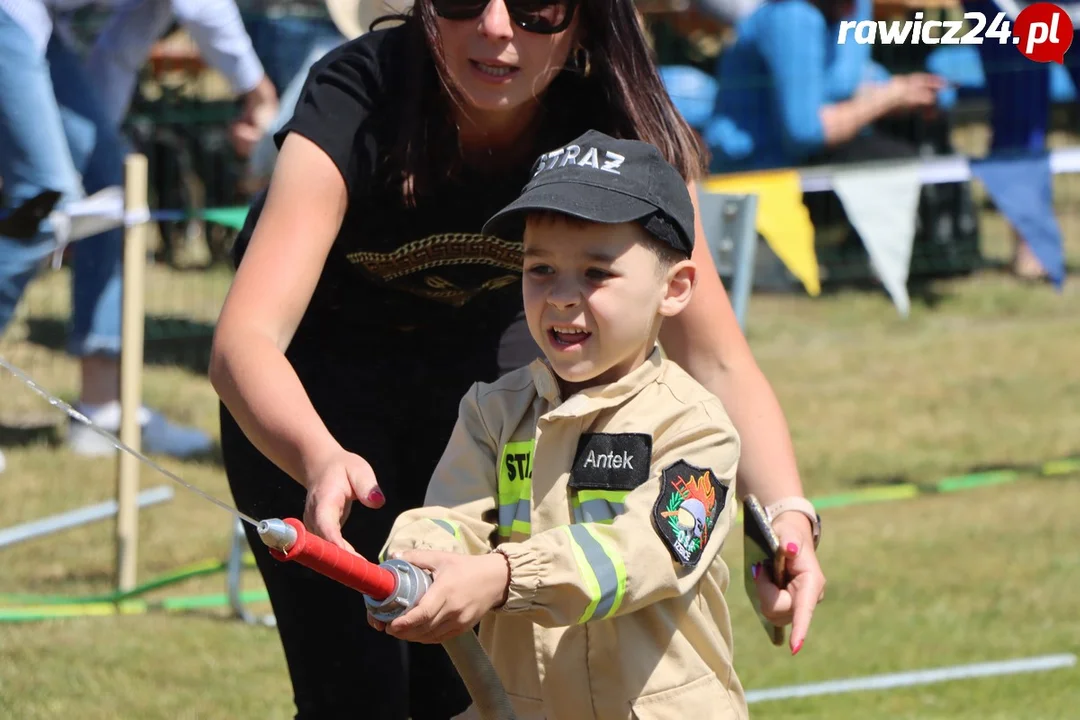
(159, 436)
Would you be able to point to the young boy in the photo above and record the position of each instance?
(579, 510)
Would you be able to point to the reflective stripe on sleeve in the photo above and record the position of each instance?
(601, 506)
(449, 526)
(601, 568)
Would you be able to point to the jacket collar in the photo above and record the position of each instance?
(598, 397)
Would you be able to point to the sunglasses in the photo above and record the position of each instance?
(544, 17)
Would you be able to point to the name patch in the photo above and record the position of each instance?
(611, 461)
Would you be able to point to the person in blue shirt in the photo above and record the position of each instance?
(1019, 94)
(789, 94)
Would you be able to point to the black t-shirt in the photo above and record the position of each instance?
(393, 266)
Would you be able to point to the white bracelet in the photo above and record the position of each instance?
(799, 505)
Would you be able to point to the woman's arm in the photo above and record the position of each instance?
(705, 339)
(845, 73)
(304, 208)
(842, 121)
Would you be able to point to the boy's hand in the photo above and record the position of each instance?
(464, 589)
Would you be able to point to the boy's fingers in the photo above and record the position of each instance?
(421, 618)
(425, 559)
(445, 630)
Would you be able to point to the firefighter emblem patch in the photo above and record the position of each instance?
(690, 501)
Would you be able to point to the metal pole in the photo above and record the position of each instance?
(744, 221)
(730, 224)
(234, 566)
(74, 518)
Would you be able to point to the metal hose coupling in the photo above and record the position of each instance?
(390, 589)
(412, 583)
(472, 663)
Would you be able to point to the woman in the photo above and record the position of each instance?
(367, 301)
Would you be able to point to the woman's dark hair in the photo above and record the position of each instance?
(620, 95)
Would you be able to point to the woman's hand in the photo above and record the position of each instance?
(915, 91)
(464, 589)
(795, 603)
(333, 483)
(260, 109)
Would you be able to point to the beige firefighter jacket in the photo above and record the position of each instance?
(611, 508)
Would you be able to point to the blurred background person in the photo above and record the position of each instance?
(788, 94)
(291, 42)
(59, 130)
(217, 29)
(1019, 94)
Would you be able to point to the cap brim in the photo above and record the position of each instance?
(585, 202)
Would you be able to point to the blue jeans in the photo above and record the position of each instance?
(284, 42)
(53, 136)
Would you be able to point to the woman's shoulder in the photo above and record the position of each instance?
(364, 65)
(349, 92)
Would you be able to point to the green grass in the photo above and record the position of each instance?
(988, 375)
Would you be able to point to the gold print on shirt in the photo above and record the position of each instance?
(447, 250)
(439, 283)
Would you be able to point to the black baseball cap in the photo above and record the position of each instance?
(600, 179)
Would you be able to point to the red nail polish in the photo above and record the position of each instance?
(376, 497)
(793, 548)
(798, 646)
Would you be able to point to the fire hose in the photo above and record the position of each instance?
(390, 589)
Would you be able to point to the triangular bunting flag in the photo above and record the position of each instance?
(782, 218)
(230, 217)
(1021, 188)
(882, 203)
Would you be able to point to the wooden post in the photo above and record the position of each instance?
(131, 362)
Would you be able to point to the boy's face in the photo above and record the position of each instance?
(594, 295)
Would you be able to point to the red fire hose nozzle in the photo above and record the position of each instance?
(389, 589)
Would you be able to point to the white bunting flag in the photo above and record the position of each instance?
(882, 203)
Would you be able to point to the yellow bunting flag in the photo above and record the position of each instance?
(781, 218)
